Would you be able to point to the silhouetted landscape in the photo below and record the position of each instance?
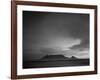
(55, 61)
(55, 39)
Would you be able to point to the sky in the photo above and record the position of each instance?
(54, 33)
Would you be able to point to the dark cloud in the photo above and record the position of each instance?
(82, 45)
(79, 28)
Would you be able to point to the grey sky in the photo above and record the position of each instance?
(55, 33)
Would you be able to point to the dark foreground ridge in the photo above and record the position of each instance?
(55, 61)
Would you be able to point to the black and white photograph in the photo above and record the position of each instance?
(55, 39)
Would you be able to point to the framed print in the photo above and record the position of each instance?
(53, 39)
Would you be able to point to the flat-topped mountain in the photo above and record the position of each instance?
(56, 57)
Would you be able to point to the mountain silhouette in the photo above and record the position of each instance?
(73, 57)
(55, 57)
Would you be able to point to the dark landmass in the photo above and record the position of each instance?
(55, 61)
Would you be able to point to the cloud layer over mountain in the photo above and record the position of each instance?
(55, 33)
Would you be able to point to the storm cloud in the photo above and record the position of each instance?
(55, 33)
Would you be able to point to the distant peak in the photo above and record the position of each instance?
(54, 57)
(73, 57)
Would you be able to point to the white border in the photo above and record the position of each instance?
(21, 71)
